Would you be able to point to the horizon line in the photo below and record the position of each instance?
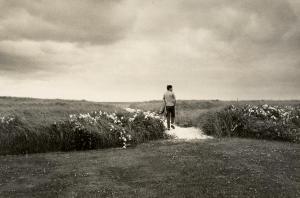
(150, 100)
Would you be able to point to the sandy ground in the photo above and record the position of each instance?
(189, 133)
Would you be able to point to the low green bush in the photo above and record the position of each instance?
(263, 122)
(80, 132)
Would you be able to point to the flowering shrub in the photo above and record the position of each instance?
(126, 127)
(6, 123)
(93, 130)
(6, 119)
(265, 122)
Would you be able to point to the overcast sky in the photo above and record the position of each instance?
(127, 50)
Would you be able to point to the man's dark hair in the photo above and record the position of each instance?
(169, 87)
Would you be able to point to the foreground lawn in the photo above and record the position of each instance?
(210, 168)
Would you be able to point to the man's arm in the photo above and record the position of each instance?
(164, 99)
(174, 99)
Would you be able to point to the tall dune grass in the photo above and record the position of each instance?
(262, 122)
(34, 125)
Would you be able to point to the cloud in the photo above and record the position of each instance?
(94, 22)
(30, 58)
(207, 49)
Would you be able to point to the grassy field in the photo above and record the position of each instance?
(211, 168)
(224, 167)
(41, 112)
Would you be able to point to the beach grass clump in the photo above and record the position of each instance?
(255, 121)
(82, 131)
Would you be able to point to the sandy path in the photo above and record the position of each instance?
(189, 133)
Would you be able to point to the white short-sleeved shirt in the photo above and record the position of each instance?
(169, 98)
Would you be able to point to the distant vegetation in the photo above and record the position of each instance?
(190, 112)
(41, 112)
(187, 111)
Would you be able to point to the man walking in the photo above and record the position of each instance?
(170, 103)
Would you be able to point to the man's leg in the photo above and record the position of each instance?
(173, 116)
(168, 117)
